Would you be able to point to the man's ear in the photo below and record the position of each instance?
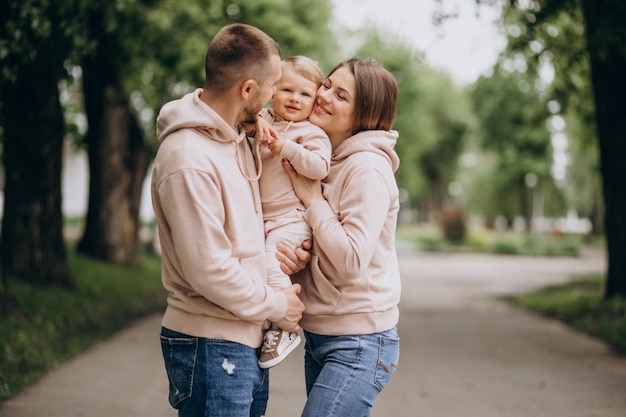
(247, 87)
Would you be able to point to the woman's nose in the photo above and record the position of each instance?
(323, 96)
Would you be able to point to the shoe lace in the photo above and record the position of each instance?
(269, 342)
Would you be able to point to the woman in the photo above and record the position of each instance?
(351, 289)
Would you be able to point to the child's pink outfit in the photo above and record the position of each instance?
(308, 149)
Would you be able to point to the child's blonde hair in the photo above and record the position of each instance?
(305, 67)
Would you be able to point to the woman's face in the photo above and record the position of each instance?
(335, 107)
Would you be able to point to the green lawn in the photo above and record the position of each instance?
(57, 324)
(580, 304)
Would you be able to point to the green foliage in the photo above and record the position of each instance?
(433, 239)
(161, 44)
(581, 305)
(166, 49)
(28, 25)
(59, 323)
(514, 130)
(433, 118)
(551, 34)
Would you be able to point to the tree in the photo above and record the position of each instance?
(606, 44)
(118, 153)
(604, 51)
(513, 119)
(35, 41)
(433, 119)
(559, 43)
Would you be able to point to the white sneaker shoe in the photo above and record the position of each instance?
(277, 344)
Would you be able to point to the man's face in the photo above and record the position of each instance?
(263, 93)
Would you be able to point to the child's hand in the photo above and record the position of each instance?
(276, 146)
(265, 133)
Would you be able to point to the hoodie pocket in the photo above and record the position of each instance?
(322, 297)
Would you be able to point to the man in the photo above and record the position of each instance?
(206, 200)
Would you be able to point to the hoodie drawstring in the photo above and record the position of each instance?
(243, 168)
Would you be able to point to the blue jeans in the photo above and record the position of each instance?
(213, 377)
(344, 374)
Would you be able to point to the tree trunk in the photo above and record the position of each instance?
(32, 246)
(118, 157)
(606, 44)
(118, 162)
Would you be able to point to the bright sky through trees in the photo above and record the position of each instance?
(465, 46)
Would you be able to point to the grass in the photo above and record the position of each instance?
(430, 238)
(580, 304)
(58, 324)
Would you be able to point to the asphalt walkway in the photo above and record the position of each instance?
(464, 353)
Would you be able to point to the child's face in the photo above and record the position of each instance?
(294, 97)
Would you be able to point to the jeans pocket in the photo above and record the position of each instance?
(179, 354)
(388, 355)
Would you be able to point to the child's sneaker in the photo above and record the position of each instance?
(277, 344)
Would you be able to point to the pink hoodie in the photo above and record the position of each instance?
(352, 285)
(208, 209)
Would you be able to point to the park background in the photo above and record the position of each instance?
(500, 141)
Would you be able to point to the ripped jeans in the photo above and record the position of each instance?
(345, 374)
(213, 377)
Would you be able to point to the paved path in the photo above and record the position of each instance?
(464, 354)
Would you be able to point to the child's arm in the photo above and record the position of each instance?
(310, 157)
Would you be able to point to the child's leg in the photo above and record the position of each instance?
(290, 230)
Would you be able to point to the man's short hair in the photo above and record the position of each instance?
(237, 52)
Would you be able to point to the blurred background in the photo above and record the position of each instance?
(499, 142)
(494, 131)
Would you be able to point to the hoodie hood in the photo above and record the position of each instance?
(381, 142)
(190, 112)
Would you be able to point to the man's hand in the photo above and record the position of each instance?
(292, 261)
(294, 309)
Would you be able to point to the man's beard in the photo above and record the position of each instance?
(250, 116)
(251, 113)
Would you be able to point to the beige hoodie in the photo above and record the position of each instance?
(352, 285)
(211, 227)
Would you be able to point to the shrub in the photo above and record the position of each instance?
(452, 223)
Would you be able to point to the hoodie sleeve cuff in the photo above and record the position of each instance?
(281, 307)
(290, 150)
(318, 209)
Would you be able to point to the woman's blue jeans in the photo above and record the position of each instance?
(344, 374)
(213, 377)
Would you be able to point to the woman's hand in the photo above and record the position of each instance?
(306, 189)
